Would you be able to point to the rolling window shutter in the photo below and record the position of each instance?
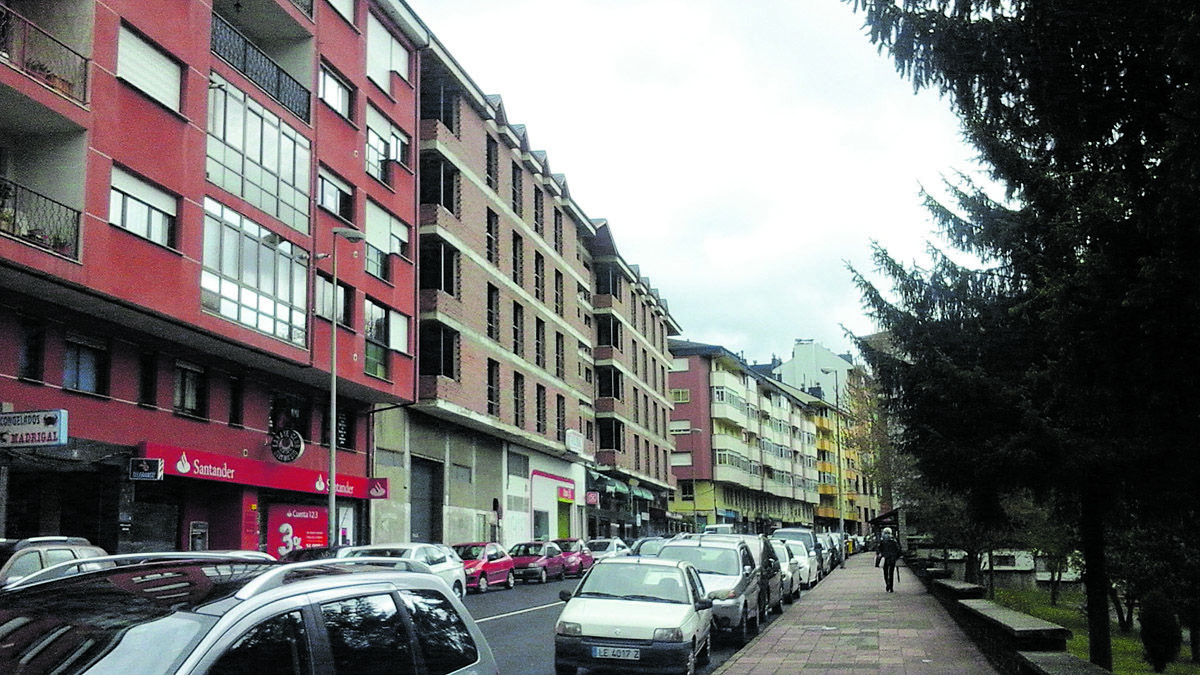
(148, 69)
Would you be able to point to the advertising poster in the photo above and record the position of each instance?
(291, 527)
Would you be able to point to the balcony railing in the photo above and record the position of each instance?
(236, 49)
(29, 48)
(38, 220)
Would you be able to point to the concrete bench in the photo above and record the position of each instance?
(949, 589)
(1016, 631)
(937, 572)
(1056, 663)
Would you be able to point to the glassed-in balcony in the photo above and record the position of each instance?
(29, 48)
(239, 51)
(38, 220)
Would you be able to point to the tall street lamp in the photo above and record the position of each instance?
(353, 236)
(837, 439)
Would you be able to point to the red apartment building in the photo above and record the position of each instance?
(171, 176)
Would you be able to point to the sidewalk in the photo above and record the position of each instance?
(848, 624)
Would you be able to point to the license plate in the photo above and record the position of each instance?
(623, 653)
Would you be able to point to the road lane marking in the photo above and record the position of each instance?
(520, 611)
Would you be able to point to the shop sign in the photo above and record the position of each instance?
(145, 468)
(566, 494)
(189, 463)
(378, 488)
(591, 498)
(33, 428)
(287, 445)
(291, 527)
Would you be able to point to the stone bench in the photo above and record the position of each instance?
(937, 572)
(951, 590)
(1022, 631)
(1056, 663)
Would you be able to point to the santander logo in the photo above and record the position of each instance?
(182, 466)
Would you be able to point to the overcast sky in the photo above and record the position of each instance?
(743, 151)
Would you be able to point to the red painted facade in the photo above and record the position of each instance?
(111, 327)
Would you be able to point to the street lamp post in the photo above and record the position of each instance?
(837, 439)
(353, 236)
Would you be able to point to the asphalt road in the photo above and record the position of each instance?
(519, 626)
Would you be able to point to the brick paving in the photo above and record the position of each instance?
(849, 625)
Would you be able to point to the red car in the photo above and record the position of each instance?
(486, 564)
(538, 561)
(576, 556)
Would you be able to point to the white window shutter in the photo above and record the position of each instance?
(142, 65)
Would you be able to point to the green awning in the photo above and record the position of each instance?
(642, 493)
(616, 487)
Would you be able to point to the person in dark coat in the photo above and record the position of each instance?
(889, 553)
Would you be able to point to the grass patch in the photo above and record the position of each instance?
(1069, 613)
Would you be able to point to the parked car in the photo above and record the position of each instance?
(538, 561)
(837, 548)
(808, 563)
(577, 557)
(825, 550)
(789, 570)
(486, 563)
(770, 574)
(807, 537)
(441, 559)
(647, 546)
(635, 614)
(607, 548)
(730, 577)
(21, 557)
(194, 617)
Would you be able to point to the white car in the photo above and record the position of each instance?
(635, 614)
(607, 548)
(789, 570)
(442, 560)
(807, 573)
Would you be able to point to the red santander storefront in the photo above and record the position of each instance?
(221, 502)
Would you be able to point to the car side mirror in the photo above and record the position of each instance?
(747, 570)
(701, 604)
(566, 596)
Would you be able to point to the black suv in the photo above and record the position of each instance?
(232, 616)
(22, 557)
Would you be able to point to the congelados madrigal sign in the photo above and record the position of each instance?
(33, 428)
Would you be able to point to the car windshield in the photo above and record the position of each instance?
(525, 550)
(708, 560)
(651, 547)
(635, 582)
(382, 553)
(599, 544)
(798, 549)
(469, 551)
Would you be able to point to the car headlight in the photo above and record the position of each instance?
(668, 635)
(568, 628)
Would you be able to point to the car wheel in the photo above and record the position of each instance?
(741, 634)
(511, 581)
(483, 583)
(789, 597)
(562, 574)
(542, 576)
(779, 604)
(459, 590)
(564, 670)
(689, 666)
(705, 655)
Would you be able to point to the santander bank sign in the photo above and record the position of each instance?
(191, 463)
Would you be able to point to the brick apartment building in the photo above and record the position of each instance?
(171, 175)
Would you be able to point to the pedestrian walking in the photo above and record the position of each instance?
(889, 553)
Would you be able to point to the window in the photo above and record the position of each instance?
(386, 235)
(148, 379)
(335, 195)
(252, 276)
(366, 635)
(560, 355)
(191, 390)
(518, 189)
(493, 312)
(145, 67)
(442, 635)
(385, 55)
(560, 417)
(539, 212)
(540, 402)
(386, 145)
(518, 259)
(375, 330)
(438, 266)
(519, 399)
(439, 183)
(345, 8)
(85, 364)
(277, 645)
(518, 329)
(559, 299)
(335, 92)
(539, 277)
(493, 388)
(141, 208)
(493, 163)
(438, 350)
(539, 343)
(493, 237)
(518, 465)
(681, 395)
(32, 358)
(558, 231)
(237, 401)
(255, 155)
(325, 301)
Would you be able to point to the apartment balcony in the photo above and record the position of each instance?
(38, 220)
(239, 51)
(29, 48)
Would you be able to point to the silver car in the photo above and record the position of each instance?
(789, 570)
(731, 578)
(441, 559)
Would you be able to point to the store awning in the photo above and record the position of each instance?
(642, 493)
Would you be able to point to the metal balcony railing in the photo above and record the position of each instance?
(237, 50)
(39, 220)
(29, 48)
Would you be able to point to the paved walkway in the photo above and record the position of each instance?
(848, 624)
